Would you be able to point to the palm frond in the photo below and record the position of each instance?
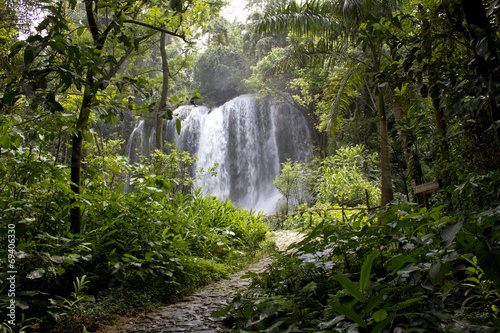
(355, 11)
(340, 91)
(313, 18)
(324, 53)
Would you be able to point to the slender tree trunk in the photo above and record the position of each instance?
(64, 159)
(164, 93)
(76, 156)
(58, 148)
(76, 165)
(434, 91)
(385, 161)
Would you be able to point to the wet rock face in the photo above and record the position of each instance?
(192, 314)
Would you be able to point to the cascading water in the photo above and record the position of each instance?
(248, 138)
(137, 131)
(131, 145)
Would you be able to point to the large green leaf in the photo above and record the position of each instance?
(451, 231)
(349, 313)
(178, 126)
(366, 269)
(350, 287)
(379, 315)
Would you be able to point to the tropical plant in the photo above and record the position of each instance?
(410, 272)
(155, 233)
(292, 183)
(348, 178)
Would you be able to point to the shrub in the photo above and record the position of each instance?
(155, 233)
(346, 175)
(412, 271)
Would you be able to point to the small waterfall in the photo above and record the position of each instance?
(249, 138)
(138, 130)
(130, 148)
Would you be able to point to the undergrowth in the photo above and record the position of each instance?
(419, 270)
(138, 248)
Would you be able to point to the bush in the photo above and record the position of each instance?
(346, 175)
(411, 272)
(154, 233)
(293, 183)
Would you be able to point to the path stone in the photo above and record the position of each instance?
(192, 313)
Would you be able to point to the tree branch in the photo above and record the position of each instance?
(157, 29)
(93, 27)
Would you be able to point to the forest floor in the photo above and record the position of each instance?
(192, 313)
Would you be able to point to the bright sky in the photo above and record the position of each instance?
(235, 11)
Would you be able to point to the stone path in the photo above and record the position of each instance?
(192, 314)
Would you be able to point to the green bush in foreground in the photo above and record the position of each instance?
(420, 271)
(153, 240)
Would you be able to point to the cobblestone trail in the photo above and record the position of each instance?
(192, 314)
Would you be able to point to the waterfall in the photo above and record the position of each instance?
(138, 130)
(249, 138)
(130, 148)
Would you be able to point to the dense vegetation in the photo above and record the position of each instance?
(398, 94)
(422, 261)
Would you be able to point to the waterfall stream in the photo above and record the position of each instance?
(249, 138)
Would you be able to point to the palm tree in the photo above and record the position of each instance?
(333, 25)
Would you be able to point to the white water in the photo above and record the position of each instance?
(138, 130)
(249, 138)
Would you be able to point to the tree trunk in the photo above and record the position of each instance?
(164, 94)
(385, 161)
(76, 164)
(434, 91)
(76, 156)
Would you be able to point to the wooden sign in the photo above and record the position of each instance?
(425, 188)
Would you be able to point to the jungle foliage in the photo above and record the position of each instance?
(89, 234)
(153, 237)
(397, 93)
(425, 261)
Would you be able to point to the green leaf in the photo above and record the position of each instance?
(80, 30)
(399, 261)
(435, 270)
(29, 56)
(349, 313)
(178, 126)
(88, 136)
(350, 287)
(482, 48)
(221, 313)
(381, 325)
(119, 188)
(405, 304)
(379, 315)
(374, 300)
(8, 67)
(364, 278)
(450, 232)
(16, 48)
